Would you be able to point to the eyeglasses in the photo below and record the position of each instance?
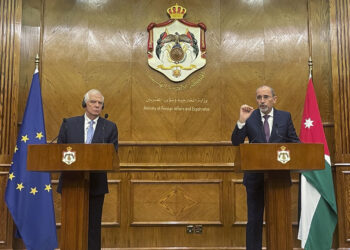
(265, 97)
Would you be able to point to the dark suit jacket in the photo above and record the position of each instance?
(72, 131)
(282, 131)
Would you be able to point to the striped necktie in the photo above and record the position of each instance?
(90, 132)
(266, 127)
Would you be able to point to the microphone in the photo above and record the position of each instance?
(106, 116)
(63, 124)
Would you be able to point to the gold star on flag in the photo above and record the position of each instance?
(33, 190)
(48, 188)
(11, 176)
(20, 186)
(16, 148)
(39, 135)
(25, 138)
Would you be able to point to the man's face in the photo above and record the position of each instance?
(265, 100)
(94, 106)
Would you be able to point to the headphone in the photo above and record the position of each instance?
(83, 104)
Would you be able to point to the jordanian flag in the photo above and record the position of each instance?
(318, 207)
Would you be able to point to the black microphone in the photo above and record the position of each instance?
(106, 116)
(64, 124)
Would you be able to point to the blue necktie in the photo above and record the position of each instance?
(90, 132)
(266, 127)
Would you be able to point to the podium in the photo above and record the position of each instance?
(277, 161)
(75, 161)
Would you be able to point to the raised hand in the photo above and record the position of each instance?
(245, 112)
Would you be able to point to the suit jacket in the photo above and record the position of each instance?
(72, 131)
(282, 131)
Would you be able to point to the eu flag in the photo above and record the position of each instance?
(29, 194)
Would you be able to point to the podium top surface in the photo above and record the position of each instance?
(72, 157)
(280, 156)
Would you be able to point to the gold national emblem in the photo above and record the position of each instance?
(176, 47)
(283, 155)
(69, 156)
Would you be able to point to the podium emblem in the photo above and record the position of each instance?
(68, 156)
(283, 155)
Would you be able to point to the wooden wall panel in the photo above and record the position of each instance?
(239, 202)
(176, 202)
(246, 48)
(319, 22)
(343, 202)
(102, 44)
(341, 77)
(262, 44)
(30, 47)
(163, 222)
(10, 30)
(111, 206)
(6, 225)
(339, 24)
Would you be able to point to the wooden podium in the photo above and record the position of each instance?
(80, 160)
(277, 161)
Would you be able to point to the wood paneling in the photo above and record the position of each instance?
(339, 27)
(246, 48)
(10, 30)
(341, 77)
(102, 44)
(343, 202)
(176, 202)
(6, 225)
(157, 204)
(30, 43)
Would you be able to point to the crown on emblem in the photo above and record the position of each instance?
(176, 11)
(283, 148)
(69, 148)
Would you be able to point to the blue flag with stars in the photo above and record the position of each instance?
(29, 194)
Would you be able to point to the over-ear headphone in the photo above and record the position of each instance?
(83, 104)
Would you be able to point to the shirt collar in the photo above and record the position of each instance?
(87, 119)
(270, 114)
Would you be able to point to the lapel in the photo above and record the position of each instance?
(276, 118)
(80, 129)
(256, 116)
(98, 130)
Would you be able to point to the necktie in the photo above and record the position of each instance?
(266, 127)
(90, 132)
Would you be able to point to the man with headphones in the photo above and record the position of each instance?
(91, 128)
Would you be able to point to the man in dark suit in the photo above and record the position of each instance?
(90, 128)
(263, 125)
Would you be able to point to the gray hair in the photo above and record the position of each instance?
(92, 91)
(271, 89)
